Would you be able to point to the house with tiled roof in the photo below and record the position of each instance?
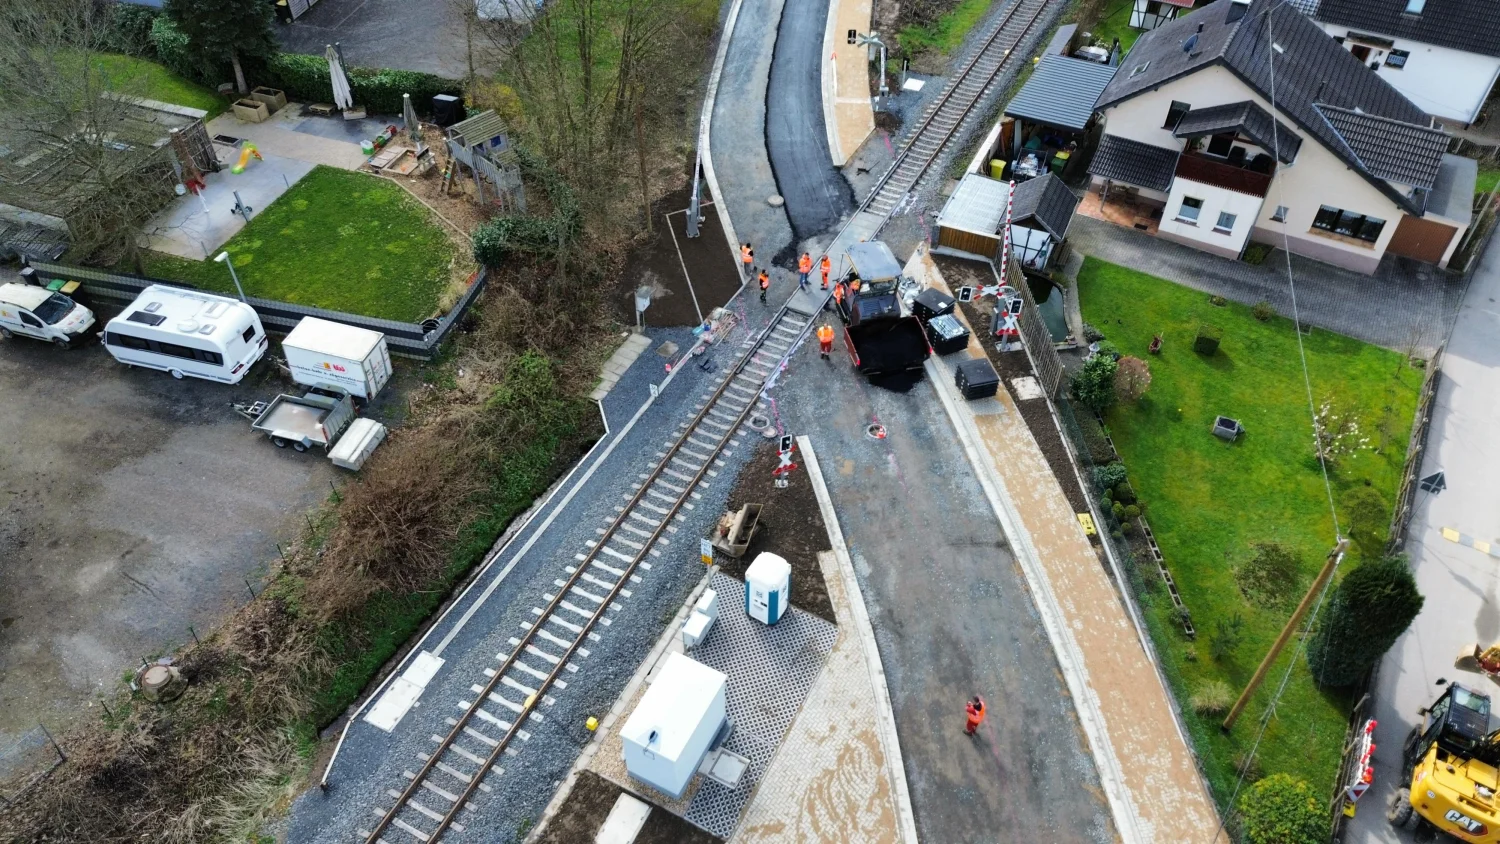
(1444, 55)
(1244, 122)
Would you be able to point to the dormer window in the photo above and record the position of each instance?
(1415, 7)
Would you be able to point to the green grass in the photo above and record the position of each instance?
(945, 33)
(1489, 176)
(338, 240)
(142, 78)
(1208, 500)
(1115, 23)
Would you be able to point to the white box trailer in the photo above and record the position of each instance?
(328, 354)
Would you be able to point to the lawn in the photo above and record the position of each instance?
(1115, 23)
(338, 240)
(141, 78)
(1489, 176)
(1208, 500)
(945, 33)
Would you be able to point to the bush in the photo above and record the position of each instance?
(1127, 528)
(1109, 476)
(1269, 578)
(172, 48)
(1212, 698)
(1282, 810)
(1099, 449)
(1217, 301)
(1109, 350)
(130, 30)
(1118, 511)
(1133, 511)
(1263, 311)
(1125, 493)
(1091, 334)
(1132, 379)
(1190, 653)
(1094, 384)
(305, 78)
(1207, 341)
(1228, 633)
(1256, 253)
(1370, 608)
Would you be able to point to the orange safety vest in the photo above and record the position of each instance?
(827, 265)
(976, 713)
(746, 254)
(805, 264)
(765, 281)
(825, 334)
(838, 293)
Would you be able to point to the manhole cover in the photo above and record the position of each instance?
(760, 422)
(875, 431)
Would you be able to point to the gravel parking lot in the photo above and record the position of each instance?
(131, 506)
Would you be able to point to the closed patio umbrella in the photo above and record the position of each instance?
(342, 96)
(409, 114)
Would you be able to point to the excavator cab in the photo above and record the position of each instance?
(1450, 760)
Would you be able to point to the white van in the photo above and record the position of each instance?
(187, 333)
(32, 311)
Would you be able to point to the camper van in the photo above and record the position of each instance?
(188, 334)
(32, 311)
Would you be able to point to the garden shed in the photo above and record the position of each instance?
(972, 219)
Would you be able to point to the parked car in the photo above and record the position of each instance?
(31, 311)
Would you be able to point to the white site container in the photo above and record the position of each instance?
(328, 354)
(768, 588)
(669, 733)
(357, 444)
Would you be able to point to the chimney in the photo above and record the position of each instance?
(1237, 10)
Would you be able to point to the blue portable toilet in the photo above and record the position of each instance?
(768, 588)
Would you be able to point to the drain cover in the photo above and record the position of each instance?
(875, 431)
(760, 422)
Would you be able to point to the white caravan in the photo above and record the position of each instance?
(187, 333)
(32, 311)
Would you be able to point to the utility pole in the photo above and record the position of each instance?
(1313, 591)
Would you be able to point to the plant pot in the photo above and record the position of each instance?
(251, 111)
(275, 99)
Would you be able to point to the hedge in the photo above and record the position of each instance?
(305, 79)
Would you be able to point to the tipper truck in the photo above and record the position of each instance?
(881, 336)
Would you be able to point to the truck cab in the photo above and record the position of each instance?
(881, 336)
(873, 280)
(30, 311)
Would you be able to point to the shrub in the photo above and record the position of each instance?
(1207, 341)
(1133, 511)
(1256, 253)
(305, 78)
(1109, 349)
(1228, 633)
(1127, 528)
(1217, 301)
(1366, 519)
(1132, 378)
(1212, 698)
(1336, 432)
(1109, 476)
(1370, 608)
(130, 30)
(1263, 311)
(1091, 334)
(1269, 578)
(1118, 511)
(1099, 449)
(1125, 493)
(1190, 653)
(1094, 384)
(172, 48)
(1282, 810)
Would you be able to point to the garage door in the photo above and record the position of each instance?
(1424, 240)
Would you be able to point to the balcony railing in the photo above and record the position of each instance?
(1213, 171)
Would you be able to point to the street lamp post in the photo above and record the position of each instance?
(223, 258)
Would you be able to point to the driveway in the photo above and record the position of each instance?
(1459, 582)
(423, 35)
(131, 506)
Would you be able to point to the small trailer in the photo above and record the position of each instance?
(317, 418)
(334, 356)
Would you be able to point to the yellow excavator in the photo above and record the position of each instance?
(1450, 762)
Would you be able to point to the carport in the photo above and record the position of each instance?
(1051, 116)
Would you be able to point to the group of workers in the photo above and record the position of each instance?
(804, 269)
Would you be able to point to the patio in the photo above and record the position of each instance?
(1122, 209)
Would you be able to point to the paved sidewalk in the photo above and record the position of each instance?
(1403, 306)
(847, 113)
(1461, 584)
(1146, 766)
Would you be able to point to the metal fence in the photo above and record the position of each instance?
(1035, 335)
(26, 761)
(412, 340)
(1416, 446)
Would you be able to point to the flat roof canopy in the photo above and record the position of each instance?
(1061, 92)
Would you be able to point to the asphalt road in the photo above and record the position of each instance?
(423, 35)
(952, 617)
(131, 506)
(815, 191)
(1459, 582)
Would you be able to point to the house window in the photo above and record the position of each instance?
(1415, 7)
(1397, 58)
(1279, 216)
(1190, 209)
(1349, 224)
(1226, 223)
(1221, 144)
(1175, 113)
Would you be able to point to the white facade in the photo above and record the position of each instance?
(1208, 231)
(1316, 177)
(1449, 83)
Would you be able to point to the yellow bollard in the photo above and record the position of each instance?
(592, 723)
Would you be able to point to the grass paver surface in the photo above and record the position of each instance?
(338, 240)
(1209, 500)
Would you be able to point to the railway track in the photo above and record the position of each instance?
(441, 790)
(546, 650)
(942, 119)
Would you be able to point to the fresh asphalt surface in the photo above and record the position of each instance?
(816, 194)
(422, 35)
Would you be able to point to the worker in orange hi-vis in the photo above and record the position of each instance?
(825, 340)
(826, 266)
(975, 710)
(804, 266)
(838, 297)
(747, 257)
(765, 284)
